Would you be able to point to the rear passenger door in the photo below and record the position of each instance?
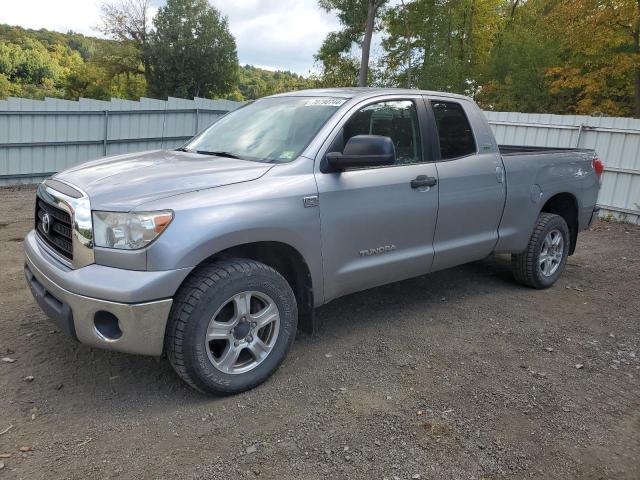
(471, 183)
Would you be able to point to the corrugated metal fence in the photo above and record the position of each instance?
(616, 140)
(40, 137)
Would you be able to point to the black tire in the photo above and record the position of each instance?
(204, 292)
(526, 265)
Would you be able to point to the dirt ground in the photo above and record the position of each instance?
(459, 374)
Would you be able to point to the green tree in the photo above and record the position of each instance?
(127, 21)
(6, 87)
(599, 69)
(256, 82)
(28, 62)
(358, 21)
(439, 44)
(114, 71)
(33, 69)
(191, 51)
(516, 75)
(339, 68)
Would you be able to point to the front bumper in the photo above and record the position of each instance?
(131, 314)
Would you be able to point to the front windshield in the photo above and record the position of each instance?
(269, 130)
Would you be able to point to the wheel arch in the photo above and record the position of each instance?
(565, 204)
(283, 258)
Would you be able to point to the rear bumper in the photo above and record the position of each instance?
(108, 322)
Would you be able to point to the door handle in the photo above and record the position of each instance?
(423, 181)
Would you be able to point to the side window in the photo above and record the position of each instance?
(397, 120)
(454, 131)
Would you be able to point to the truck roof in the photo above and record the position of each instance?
(363, 92)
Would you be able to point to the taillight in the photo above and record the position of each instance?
(598, 167)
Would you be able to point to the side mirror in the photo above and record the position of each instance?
(363, 151)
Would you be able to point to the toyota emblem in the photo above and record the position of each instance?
(46, 223)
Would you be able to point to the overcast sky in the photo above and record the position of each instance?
(274, 34)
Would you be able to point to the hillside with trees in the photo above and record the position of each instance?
(175, 58)
(550, 56)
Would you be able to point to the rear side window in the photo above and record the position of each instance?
(454, 131)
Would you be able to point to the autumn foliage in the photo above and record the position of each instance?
(557, 56)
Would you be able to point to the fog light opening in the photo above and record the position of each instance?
(107, 325)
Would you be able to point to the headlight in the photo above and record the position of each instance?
(128, 231)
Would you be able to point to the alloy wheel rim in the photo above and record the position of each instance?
(551, 253)
(242, 332)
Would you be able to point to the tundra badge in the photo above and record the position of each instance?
(377, 251)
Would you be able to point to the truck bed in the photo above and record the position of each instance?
(530, 150)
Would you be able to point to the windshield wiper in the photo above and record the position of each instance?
(220, 154)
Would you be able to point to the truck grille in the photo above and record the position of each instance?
(58, 236)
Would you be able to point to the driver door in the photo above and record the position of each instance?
(376, 227)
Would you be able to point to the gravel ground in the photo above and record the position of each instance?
(459, 374)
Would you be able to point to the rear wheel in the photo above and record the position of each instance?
(231, 325)
(542, 263)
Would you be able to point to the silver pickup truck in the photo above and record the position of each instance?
(217, 252)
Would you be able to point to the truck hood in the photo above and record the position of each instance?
(122, 183)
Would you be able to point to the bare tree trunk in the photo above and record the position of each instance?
(469, 64)
(461, 58)
(514, 5)
(449, 32)
(144, 46)
(407, 37)
(363, 75)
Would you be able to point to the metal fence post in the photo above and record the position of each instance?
(197, 121)
(106, 133)
(579, 135)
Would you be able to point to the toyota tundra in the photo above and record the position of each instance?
(217, 252)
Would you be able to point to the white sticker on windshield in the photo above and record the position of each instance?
(287, 154)
(325, 102)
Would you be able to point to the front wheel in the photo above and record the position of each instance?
(231, 325)
(542, 263)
